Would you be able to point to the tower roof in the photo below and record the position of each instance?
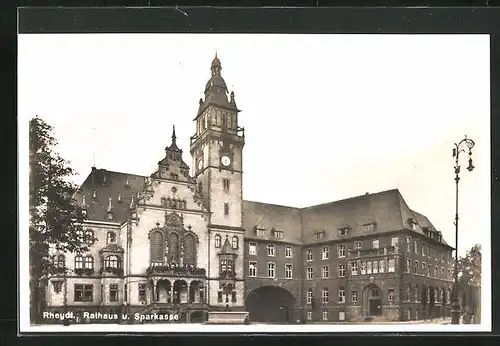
(216, 90)
(173, 146)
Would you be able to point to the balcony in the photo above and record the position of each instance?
(84, 271)
(388, 250)
(176, 271)
(112, 271)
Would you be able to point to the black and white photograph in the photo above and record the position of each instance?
(254, 183)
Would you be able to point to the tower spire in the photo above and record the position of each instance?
(174, 137)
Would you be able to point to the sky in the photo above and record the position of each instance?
(326, 117)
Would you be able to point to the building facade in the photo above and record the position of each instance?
(184, 242)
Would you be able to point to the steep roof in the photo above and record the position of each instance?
(120, 187)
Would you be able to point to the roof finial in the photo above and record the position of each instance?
(173, 135)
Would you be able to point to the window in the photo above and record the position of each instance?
(415, 246)
(309, 315)
(142, 293)
(111, 262)
(319, 235)
(270, 249)
(288, 251)
(226, 208)
(442, 256)
(341, 315)
(252, 269)
(219, 297)
(449, 274)
(375, 244)
(234, 242)
(288, 271)
(423, 268)
(325, 253)
(342, 270)
(309, 254)
(309, 273)
(354, 296)
(309, 296)
(226, 184)
(394, 241)
(342, 296)
(392, 265)
(261, 233)
(382, 266)
(174, 176)
(357, 245)
(89, 236)
(79, 234)
(408, 266)
(278, 234)
(84, 293)
(324, 295)
(325, 315)
(435, 271)
(423, 251)
(252, 248)
(408, 244)
(390, 294)
(341, 250)
(217, 240)
(368, 267)
(113, 293)
(354, 268)
(429, 273)
(416, 267)
(78, 262)
(375, 267)
(369, 227)
(233, 297)
(156, 246)
(271, 270)
(343, 232)
(59, 262)
(325, 272)
(89, 262)
(363, 267)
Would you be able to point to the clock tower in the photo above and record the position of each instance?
(216, 149)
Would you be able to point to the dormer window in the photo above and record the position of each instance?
(261, 232)
(369, 227)
(110, 215)
(319, 235)
(104, 181)
(278, 234)
(343, 232)
(110, 238)
(413, 224)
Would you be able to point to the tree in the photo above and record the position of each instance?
(55, 218)
(469, 281)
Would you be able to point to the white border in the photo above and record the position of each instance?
(23, 273)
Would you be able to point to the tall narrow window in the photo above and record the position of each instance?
(288, 271)
(341, 295)
(309, 254)
(226, 184)
(324, 295)
(234, 242)
(325, 272)
(271, 266)
(156, 247)
(173, 251)
(78, 262)
(252, 248)
(113, 293)
(325, 253)
(288, 251)
(341, 270)
(252, 269)
(226, 208)
(89, 262)
(309, 296)
(217, 240)
(270, 250)
(341, 251)
(142, 293)
(190, 251)
(309, 273)
(408, 244)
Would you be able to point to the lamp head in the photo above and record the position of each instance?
(471, 166)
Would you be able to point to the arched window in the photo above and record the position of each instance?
(173, 252)
(217, 240)
(190, 250)
(89, 236)
(78, 262)
(234, 243)
(59, 261)
(156, 250)
(79, 234)
(111, 262)
(110, 238)
(89, 262)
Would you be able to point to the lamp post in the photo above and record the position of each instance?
(464, 146)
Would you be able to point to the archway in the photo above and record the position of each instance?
(372, 300)
(270, 304)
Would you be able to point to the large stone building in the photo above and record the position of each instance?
(187, 243)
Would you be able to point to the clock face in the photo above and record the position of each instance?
(200, 164)
(226, 161)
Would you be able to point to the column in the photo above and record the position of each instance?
(188, 292)
(154, 290)
(172, 293)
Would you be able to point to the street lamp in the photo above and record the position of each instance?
(464, 146)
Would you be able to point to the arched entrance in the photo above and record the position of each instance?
(372, 300)
(270, 304)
